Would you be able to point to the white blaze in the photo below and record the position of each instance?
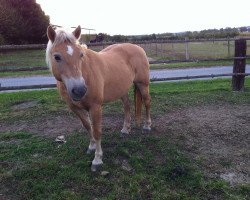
(70, 51)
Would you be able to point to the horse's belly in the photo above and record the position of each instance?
(116, 90)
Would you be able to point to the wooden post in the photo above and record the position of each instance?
(162, 53)
(156, 49)
(239, 65)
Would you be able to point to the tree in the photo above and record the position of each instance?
(243, 29)
(22, 21)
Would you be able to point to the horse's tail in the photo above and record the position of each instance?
(138, 105)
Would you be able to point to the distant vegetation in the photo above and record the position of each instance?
(22, 22)
(204, 34)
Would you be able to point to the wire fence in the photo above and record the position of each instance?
(168, 50)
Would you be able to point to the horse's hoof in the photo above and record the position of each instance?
(146, 130)
(124, 134)
(95, 168)
(90, 151)
(125, 131)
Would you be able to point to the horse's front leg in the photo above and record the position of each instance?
(82, 114)
(84, 117)
(96, 115)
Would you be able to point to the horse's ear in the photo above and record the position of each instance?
(51, 33)
(77, 32)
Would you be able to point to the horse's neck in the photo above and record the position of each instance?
(94, 59)
(94, 63)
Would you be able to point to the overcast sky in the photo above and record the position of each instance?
(135, 17)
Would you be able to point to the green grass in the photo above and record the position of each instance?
(23, 58)
(165, 97)
(48, 103)
(35, 167)
(169, 96)
(196, 50)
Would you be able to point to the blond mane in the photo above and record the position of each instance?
(62, 36)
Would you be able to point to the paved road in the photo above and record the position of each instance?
(40, 80)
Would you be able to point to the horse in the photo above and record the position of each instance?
(87, 79)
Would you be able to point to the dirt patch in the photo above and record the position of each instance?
(50, 126)
(66, 124)
(215, 136)
(24, 105)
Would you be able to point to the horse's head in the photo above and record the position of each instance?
(65, 56)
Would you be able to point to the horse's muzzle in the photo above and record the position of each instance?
(78, 92)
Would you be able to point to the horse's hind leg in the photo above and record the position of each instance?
(144, 89)
(127, 119)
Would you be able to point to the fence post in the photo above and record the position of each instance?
(162, 53)
(228, 47)
(186, 49)
(156, 48)
(239, 65)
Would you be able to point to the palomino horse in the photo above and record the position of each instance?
(87, 79)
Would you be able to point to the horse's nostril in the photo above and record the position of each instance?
(75, 91)
(78, 92)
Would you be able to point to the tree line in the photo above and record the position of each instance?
(22, 22)
(204, 34)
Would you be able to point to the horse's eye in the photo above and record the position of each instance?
(81, 54)
(57, 58)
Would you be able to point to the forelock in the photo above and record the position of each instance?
(62, 36)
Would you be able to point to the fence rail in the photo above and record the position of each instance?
(22, 47)
(22, 69)
(43, 46)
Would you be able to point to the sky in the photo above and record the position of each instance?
(136, 17)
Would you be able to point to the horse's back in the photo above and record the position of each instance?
(134, 56)
(126, 49)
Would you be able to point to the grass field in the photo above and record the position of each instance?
(196, 50)
(169, 163)
(22, 58)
